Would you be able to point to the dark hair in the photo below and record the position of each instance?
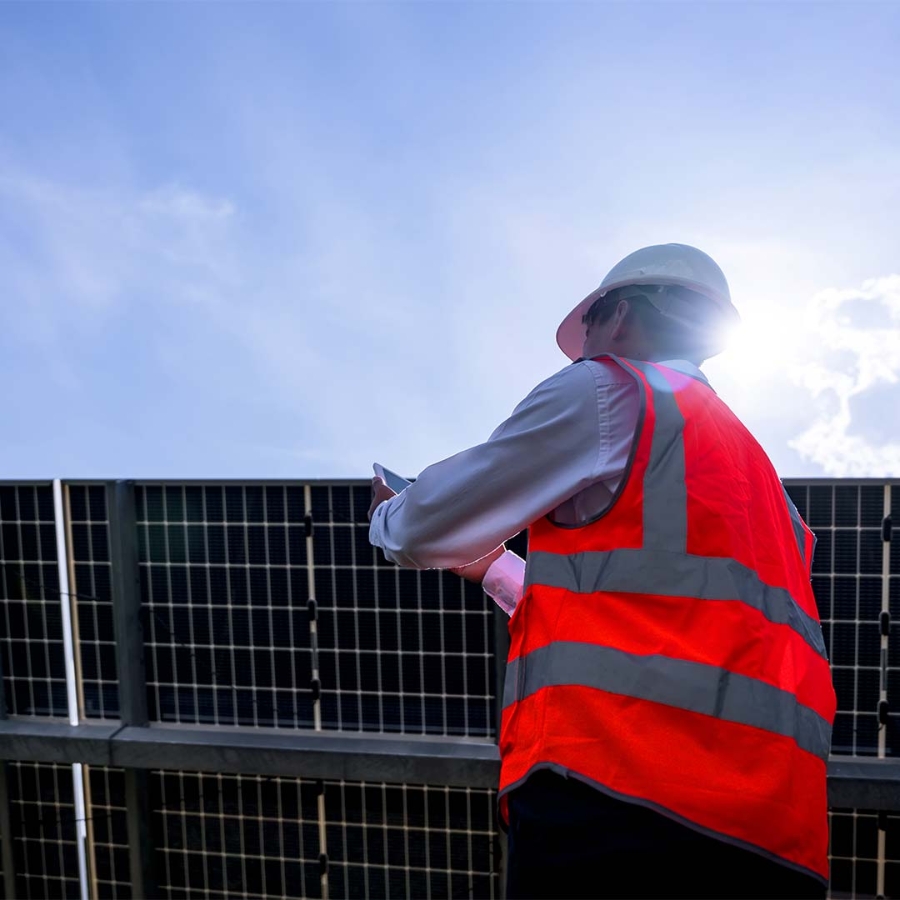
(671, 338)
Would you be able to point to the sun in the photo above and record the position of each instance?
(762, 344)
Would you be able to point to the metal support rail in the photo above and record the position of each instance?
(456, 762)
(302, 754)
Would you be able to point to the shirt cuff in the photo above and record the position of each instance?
(504, 580)
(376, 527)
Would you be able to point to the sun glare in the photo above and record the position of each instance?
(760, 343)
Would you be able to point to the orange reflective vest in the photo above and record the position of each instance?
(670, 652)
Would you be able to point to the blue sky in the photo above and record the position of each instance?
(288, 239)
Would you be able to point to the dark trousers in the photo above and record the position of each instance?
(568, 840)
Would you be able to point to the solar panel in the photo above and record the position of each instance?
(90, 581)
(893, 725)
(398, 650)
(848, 581)
(263, 837)
(221, 835)
(107, 833)
(224, 581)
(243, 632)
(854, 853)
(227, 575)
(411, 841)
(42, 813)
(31, 641)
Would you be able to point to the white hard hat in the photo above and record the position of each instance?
(662, 264)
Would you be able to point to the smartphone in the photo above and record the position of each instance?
(394, 481)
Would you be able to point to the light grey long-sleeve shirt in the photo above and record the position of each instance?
(564, 450)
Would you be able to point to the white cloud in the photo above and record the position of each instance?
(853, 347)
(85, 250)
(184, 205)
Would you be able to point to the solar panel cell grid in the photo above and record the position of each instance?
(42, 815)
(91, 583)
(31, 640)
(410, 841)
(417, 662)
(848, 584)
(399, 651)
(225, 835)
(219, 835)
(226, 590)
(229, 630)
(854, 853)
(108, 833)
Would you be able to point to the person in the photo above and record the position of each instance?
(668, 701)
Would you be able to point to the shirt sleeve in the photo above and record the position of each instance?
(504, 581)
(459, 510)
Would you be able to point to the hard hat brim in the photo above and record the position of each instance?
(570, 334)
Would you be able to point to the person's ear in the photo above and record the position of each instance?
(617, 329)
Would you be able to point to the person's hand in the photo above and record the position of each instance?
(477, 570)
(380, 493)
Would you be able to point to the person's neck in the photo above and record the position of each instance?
(638, 351)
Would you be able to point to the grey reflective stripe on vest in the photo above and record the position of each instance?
(673, 682)
(665, 492)
(671, 575)
(799, 530)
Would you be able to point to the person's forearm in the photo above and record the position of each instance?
(476, 571)
(501, 574)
